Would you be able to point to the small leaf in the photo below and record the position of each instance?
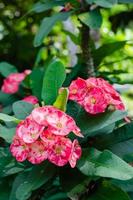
(93, 19)
(6, 69)
(7, 133)
(103, 3)
(53, 80)
(104, 164)
(7, 118)
(62, 99)
(46, 26)
(22, 109)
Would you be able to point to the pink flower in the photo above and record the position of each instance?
(62, 124)
(76, 152)
(60, 152)
(96, 101)
(19, 149)
(40, 114)
(37, 152)
(31, 99)
(9, 87)
(12, 82)
(95, 95)
(78, 89)
(28, 130)
(48, 137)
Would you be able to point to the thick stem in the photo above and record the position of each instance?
(87, 58)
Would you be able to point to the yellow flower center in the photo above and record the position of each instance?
(58, 150)
(59, 125)
(74, 91)
(93, 100)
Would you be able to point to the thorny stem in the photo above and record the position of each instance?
(87, 58)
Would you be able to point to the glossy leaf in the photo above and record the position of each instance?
(53, 80)
(104, 164)
(7, 133)
(93, 19)
(22, 109)
(7, 118)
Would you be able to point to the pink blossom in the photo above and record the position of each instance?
(40, 114)
(60, 152)
(48, 137)
(62, 124)
(31, 99)
(95, 95)
(96, 101)
(78, 89)
(37, 152)
(12, 82)
(19, 149)
(9, 87)
(76, 152)
(28, 130)
(27, 71)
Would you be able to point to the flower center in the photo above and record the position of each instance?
(93, 100)
(58, 150)
(59, 125)
(74, 91)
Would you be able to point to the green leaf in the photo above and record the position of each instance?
(36, 82)
(124, 185)
(7, 118)
(4, 189)
(46, 26)
(120, 135)
(6, 99)
(61, 101)
(26, 182)
(8, 164)
(106, 50)
(104, 164)
(41, 7)
(7, 133)
(22, 109)
(91, 125)
(6, 69)
(107, 191)
(93, 19)
(53, 80)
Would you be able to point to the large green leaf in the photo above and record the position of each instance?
(46, 26)
(53, 80)
(107, 191)
(91, 125)
(26, 182)
(4, 189)
(36, 82)
(6, 69)
(7, 133)
(106, 50)
(22, 109)
(118, 136)
(93, 19)
(104, 164)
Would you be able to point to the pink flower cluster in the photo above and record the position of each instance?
(95, 95)
(31, 99)
(44, 135)
(12, 82)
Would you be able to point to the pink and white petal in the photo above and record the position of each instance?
(37, 152)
